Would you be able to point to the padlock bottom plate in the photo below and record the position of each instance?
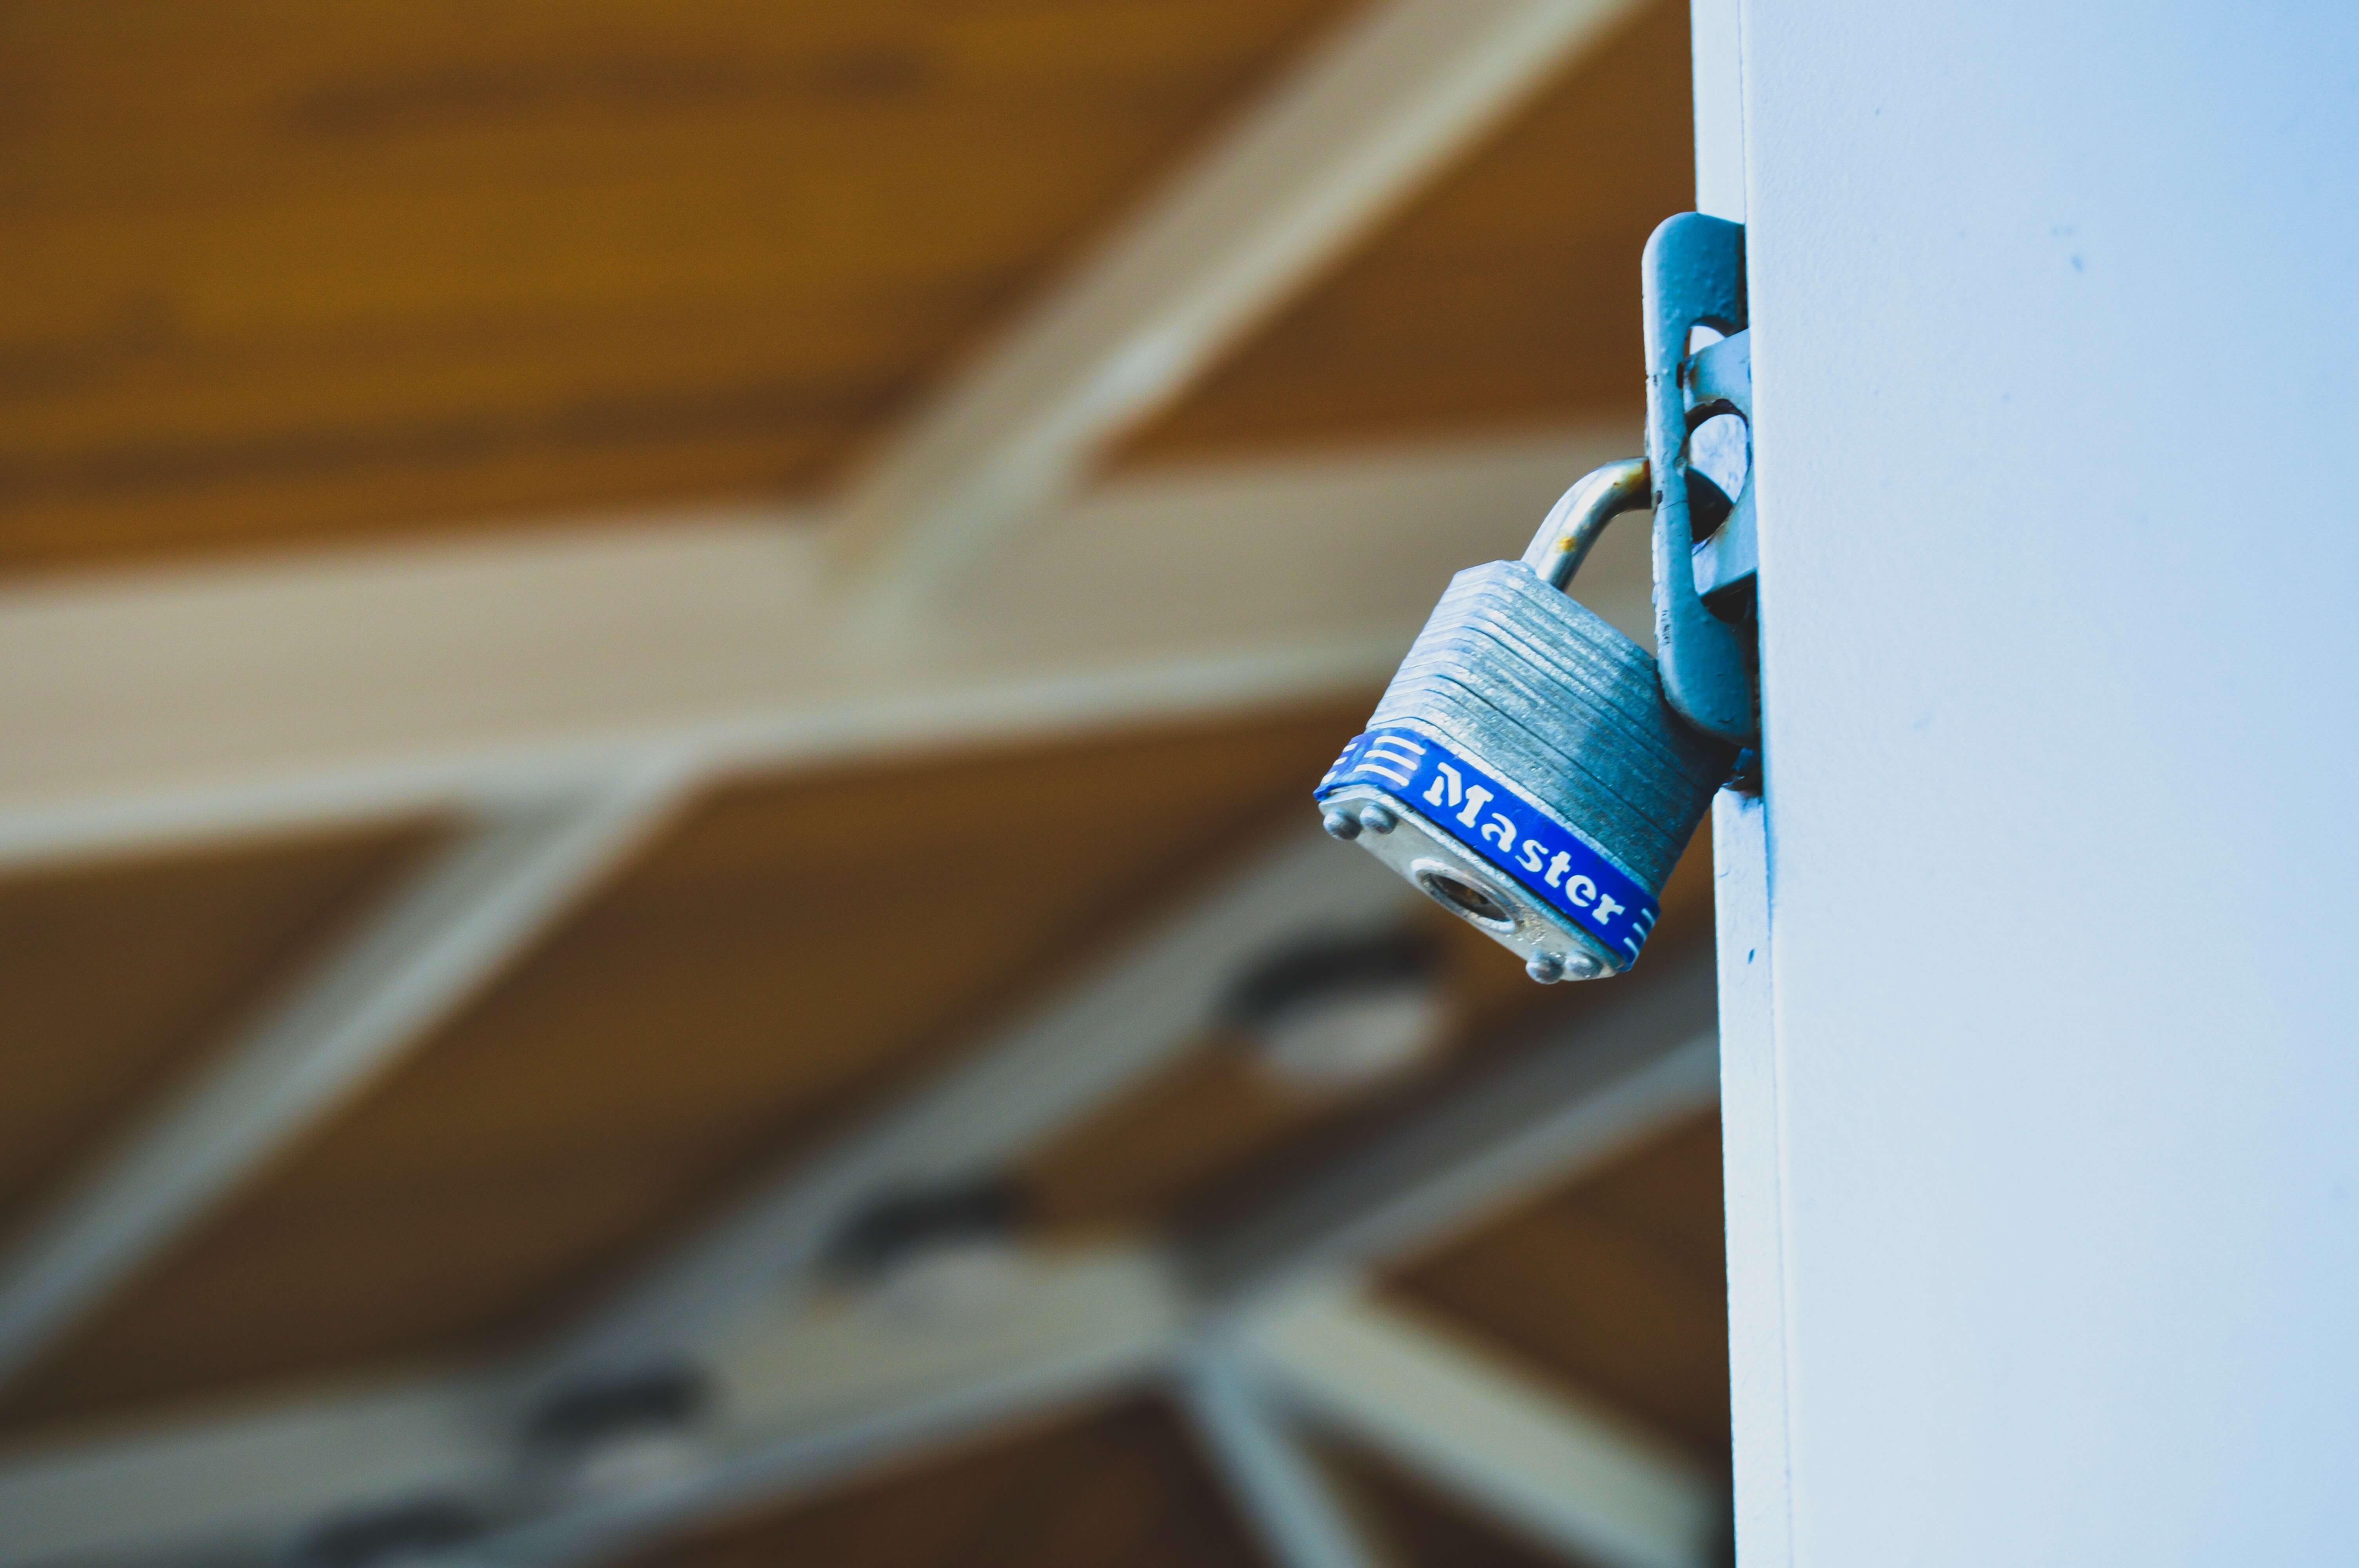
(1533, 931)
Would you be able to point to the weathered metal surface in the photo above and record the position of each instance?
(1522, 769)
(1694, 276)
(1717, 380)
(1580, 516)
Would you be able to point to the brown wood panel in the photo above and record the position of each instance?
(284, 272)
(1124, 1487)
(1214, 1133)
(1617, 1284)
(1507, 296)
(117, 979)
(795, 949)
(1420, 1526)
(1215, 1109)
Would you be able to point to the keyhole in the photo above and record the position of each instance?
(1463, 899)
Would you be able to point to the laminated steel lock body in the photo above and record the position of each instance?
(1530, 768)
(1522, 769)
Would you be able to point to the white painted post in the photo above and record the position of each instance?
(1750, 1165)
(2043, 1193)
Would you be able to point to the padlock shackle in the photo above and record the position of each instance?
(1580, 516)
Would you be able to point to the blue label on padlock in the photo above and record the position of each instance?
(1494, 822)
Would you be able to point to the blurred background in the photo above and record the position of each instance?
(661, 666)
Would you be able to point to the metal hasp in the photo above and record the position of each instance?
(1708, 652)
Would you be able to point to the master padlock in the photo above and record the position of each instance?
(1523, 768)
(1531, 769)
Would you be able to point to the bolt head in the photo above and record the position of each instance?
(1582, 967)
(1377, 818)
(1340, 824)
(1547, 968)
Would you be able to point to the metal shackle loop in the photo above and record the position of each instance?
(1580, 516)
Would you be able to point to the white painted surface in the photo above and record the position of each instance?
(2054, 320)
(1716, 45)
(1751, 1181)
(1752, 1168)
(1353, 132)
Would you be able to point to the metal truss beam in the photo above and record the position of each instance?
(1569, 1476)
(817, 1385)
(1338, 146)
(1645, 1059)
(322, 1045)
(813, 1395)
(1045, 1073)
(231, 700)
(566, 690)
(820, 1391)
(1290, 1504)
(226, 1486)
(806, 1396)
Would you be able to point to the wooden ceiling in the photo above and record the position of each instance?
(722, 1003)
(1616, 1285)
(1417, 1524)
(285, 275)
(119, 977)
(794, 950)
(1119, 1485)
(285, 272)
(1503, 300)
(1214, 1131)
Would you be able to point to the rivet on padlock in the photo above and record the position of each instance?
(1522, 769)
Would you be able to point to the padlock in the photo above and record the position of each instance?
(1522, 769)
